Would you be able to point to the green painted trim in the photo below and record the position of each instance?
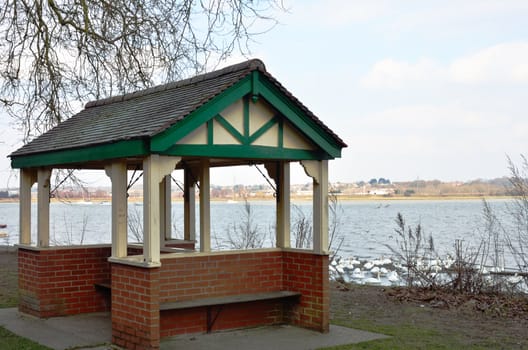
(281, 133)
(255, 84)
(210, 132)
(246, 117)
(167, 138)
(297, 117)
(270, 123)
(230, 129)
(244, 152)
(120, 149)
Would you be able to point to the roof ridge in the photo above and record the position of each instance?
(249, 65)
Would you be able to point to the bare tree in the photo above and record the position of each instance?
(516, 235)
(245, 234)
(55, 55)
(135, 224)
(335, 236)
(302, 228)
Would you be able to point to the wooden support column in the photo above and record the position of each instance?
(189, 211)
(318, 170)
(205, 207)
(165, 210)
(43, 204)
(280, 173)
(27, 178)
(118, 175)
(155, 168)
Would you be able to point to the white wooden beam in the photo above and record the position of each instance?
(165, 209)
(117, 172)
(318, 170)
(43, 204)
(189, 209)
(280, 173)
(155, 168)
(27, 178)
(205, 207)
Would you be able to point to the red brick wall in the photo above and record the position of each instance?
(60, 281)
(219, 275)
(308, 273)
(188, 278)
(135, 307)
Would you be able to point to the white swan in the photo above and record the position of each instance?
(514, 279)
(373, 280)
(393, 277)
(357, 274)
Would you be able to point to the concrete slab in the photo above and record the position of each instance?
(93, 331)
(276, 338)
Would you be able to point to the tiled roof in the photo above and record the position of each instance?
(146, 113)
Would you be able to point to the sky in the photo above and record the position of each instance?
(417, 89)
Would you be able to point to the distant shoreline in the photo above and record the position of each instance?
(293, 198)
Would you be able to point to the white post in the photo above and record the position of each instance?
(189, 211)
(43, 204)
(280, 173)
(283, 205)
(155, 168)
(165, 210)
(318, 170)
(205, 208)
(27, 178)
(118, 175)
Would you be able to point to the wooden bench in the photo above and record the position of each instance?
(225, 300)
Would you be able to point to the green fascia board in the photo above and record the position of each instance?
(164, 140)
(297, 117)
(243, 152)
(120, 149)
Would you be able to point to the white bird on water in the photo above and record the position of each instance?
(357, 274)
(373, 280)
(393, 277)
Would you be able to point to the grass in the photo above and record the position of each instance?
(11, 341)
(407, 336)
(8, 295)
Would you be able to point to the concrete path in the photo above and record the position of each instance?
(276, 338)
(93, 331)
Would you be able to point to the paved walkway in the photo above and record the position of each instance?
(93, 331)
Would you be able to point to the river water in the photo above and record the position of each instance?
(366, 226)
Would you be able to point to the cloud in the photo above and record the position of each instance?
(505, 63)
(389, 73)
(336, 13)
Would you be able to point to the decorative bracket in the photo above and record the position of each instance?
(312, 169)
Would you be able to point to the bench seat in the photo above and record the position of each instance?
(231, 299)
(208, 303)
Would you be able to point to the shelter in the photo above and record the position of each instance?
(237, 115)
